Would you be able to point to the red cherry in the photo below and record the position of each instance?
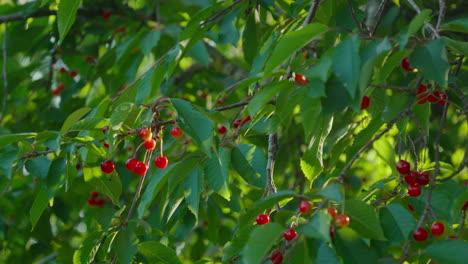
(342, 220)
(276, 257)
(247, 119)
(104, 129)
(161, 162)
(131, 164)
(289, 234)
(332, 212)
(300, 79)
(150, 144)
(405, 64)
(63, 70)
(414, 190)
(78, 166)
(453, 237)
(237, 123)
(437, 229)
(146, 134)
(140, 168)
(99, 202)
(412, 178)
(410, 207)
(106, 15)
(89, 59)
(262, 219)
(204, 95)
(425, 181)
(60, 86)
(91, 202)
(55, 92)
(94, 195)
(403, 167)
(432, 98)
(365, 102)
(305, 207)
(106, 145)
(73, 73)
(443, 98)
(331, 231)
(222, 129)
(107, 166)
(465, 206)
(186, 142)
(177, 132)
(420, 234)
(120, 30)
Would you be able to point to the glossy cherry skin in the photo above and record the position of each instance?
(332, 212)
(437, 229)
(141, 168)
(405, 64)
(289, 234)
(403, 167)
(423, 179)
(131, 164)
(410, 206)
(412, 178)
(300, 79)
(331, 231)
(237, 123)
(246, 119)
(422, 94)
(161, 162)
(414, 190)
(262, 219)
(106, 15)
(222, 129)
(305, 207)
(177, 132)
(104, 129)
(146, 134)
(420, 235)
(276, 257)
(107, 166)
(73, 73)
(150, 144)
(342, 220)
(365, 102)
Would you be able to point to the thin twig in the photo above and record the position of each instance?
(440, 19)
(220, 14)
(380, 13)
(5, 77)
(392, 87)
(311, 12)
(428, 25)
(353, 14)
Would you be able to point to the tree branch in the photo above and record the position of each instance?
(311, 13)
(380, 13)
(353, 14)
(427, 24)
(440, 19)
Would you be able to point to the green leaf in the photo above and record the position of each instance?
(88, 249)
(125, 113)
(458, 25)
(291, 42)
(7, 158)
(261, 240)
(265, 204)
(149, 41)
(457, 46)
(352, 248)
(265, 95)
(431, 61)
(363, 219)
(126, 244)
(250, 162)
(394, 107)
(318, 227)
(422, 114)
(390, 64)
(144, 88)
(192, 189)
(56, 174)
(216, 173)
(327, 255)
(315, 88)
(108, 184)
(397, 222)
(155, 252)
(321, 70)
(448, 251)
(386, 152)
(39, 167)
(195, 123)
(236, 245)
(66, 15)
(250, 39)
(332, 192)
(6, 140)
(89, 123)
(348, 51)
(38, 206)
(418, 21)
(73, 118)
(200, 53)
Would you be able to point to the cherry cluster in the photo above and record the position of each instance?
(93, 201)
(414, 179)
(276, 256)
